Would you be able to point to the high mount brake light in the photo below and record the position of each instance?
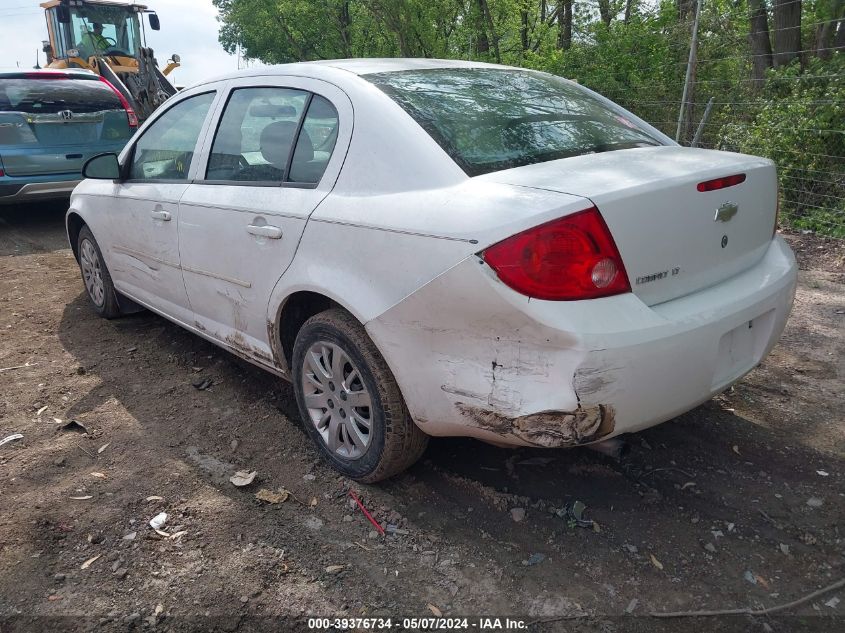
(130, 113)
(568, 259)
(721, 183)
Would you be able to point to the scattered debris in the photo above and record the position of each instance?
(41, 410)
(103, 447)
(815, 502)
(242, 478)
(90, 562)
(735, 449)
(272, 497)
(574, 515)
(534, 559)
(366, 513)
(751, 577)
(11, 438)
(24, 366)
(710, 548)
(178, 534)
(155, 498)
(130, 537)
(335, 569)
(784, 549)
(82, 498)
(395, 529)
(518, 514)
(437, 612)
(74, 426)
(632, 605)
(99, 475)
(202, 384)
(822, 473)
(655, 562)
(688, 484)
(158, 521)
(632, 549)
(832, 603)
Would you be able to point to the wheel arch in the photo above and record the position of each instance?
(73, 225)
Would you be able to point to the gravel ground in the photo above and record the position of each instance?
(738, 503)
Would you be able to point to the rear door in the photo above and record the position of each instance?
(270, 160)
(144, 208)
(51, 123)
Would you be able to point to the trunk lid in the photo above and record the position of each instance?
(667, 231)
(51, 125)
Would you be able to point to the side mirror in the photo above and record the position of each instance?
(63, 14)
(155, 24)
(102, 167)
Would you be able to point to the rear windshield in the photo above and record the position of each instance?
(493, 119)
(48, 96)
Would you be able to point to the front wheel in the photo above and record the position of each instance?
(95, 275)
(349, 400)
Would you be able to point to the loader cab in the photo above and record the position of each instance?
(80, 29)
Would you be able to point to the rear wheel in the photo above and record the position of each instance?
(349, 400)
(95, 276)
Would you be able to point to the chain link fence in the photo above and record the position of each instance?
(795, 115)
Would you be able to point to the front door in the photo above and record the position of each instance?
(273, 157)
(144, 261)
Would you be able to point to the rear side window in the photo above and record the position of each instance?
(166, 149)
(492, 119)
(49, 96)
(263, 137)
(255, 136)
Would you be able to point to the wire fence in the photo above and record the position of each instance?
(795, 116)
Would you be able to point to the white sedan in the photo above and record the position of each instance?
(441, 248)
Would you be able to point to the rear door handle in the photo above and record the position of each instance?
(161, 214)
(265, 230)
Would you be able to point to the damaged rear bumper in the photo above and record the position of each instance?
(474, 358)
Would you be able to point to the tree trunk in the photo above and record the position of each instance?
(839, 40)
(523, 29)
(488, 18)
(629, 10)
(482, 47)
(686, 9)
(604, 11)
(543, 10)
(758, 38)
(787, 31)
(345, 22)
(564, 19)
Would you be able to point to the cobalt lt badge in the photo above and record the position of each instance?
(726, 212)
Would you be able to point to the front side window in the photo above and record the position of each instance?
(166, 149)
(493, 119)
(263, 137)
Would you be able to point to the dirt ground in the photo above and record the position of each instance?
(738, 503)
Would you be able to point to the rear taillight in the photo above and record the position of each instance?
(567, 259)
(130, 113)
(721, 183)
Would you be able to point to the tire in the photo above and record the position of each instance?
(392, 441)
(96, 277)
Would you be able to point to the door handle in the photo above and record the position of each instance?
(160, 214)
(265, 230)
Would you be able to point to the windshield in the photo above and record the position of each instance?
(493, 119)
(95, 30)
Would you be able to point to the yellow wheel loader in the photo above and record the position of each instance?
(108, 38)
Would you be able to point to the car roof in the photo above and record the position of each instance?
(336, 68)
(48, 72)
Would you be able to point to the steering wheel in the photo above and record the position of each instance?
(111, 41)
(116, 51)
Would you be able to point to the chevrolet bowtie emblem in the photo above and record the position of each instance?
(726, 212)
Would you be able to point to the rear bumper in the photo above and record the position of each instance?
(13, 191)
(475, 358)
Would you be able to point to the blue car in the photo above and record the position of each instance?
(51, 122)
